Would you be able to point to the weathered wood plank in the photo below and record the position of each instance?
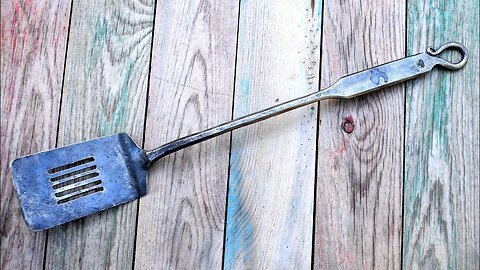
(272, 164)
(105, 90)
(442, 181)
(33, 46)
(181, 219)
(359, 188)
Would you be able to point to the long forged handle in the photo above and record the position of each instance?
(347, 87)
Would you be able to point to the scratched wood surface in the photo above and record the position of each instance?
(385, 181)
(104, 92)
(182, 218)
(442, 158)
(360, 142)
(272, 164)
(33, 43)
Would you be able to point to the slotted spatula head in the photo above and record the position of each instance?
(63, 184)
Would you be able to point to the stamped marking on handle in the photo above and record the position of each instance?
(376, 74)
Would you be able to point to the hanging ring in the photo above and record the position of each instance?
(447, 64)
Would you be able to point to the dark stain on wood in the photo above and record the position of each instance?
(348, 124)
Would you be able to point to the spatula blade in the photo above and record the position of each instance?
(67, 183)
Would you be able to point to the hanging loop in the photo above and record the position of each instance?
(449, 46)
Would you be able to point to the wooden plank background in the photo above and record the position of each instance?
(33, 47)
(389, 180)
(180, 226)
(271, 229)
(359, 189)
(442, 191)
(104, 91)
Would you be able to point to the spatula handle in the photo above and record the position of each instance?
(350, 86)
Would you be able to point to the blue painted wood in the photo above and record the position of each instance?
(272, 163)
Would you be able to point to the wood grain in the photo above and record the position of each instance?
(271, 170)
(442, 181)
(272, 163)
(181, 219)
(359, 185)
(104, 92)
(33, 46)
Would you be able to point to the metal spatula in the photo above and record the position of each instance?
(67, 183)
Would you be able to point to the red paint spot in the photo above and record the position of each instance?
(348, 118)
(14, 29)
(3, 40)
(339, 150)
(347, 259)
(348, 124)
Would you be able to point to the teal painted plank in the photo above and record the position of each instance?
(272, 164)
(105, 91)
(359, 177)
(442, 182)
